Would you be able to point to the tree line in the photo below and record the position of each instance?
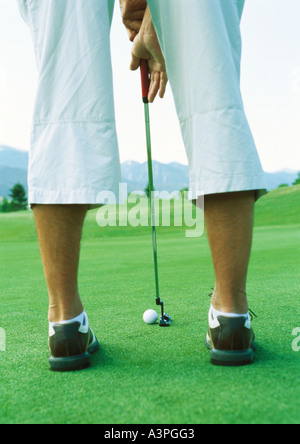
(17, 200)
(297, 182)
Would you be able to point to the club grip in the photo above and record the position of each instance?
(145, 76)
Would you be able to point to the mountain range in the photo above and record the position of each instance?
(168, 177)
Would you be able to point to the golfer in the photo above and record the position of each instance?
(74, 150)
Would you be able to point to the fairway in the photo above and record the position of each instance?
(146, 374)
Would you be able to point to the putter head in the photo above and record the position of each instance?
(165, 320)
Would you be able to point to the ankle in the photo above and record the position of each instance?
(230, 303)
(63, 313)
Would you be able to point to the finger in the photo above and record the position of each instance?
(129, 15)
(134, 15)
(132, 35)
(135, 62)
(163, 84)
(154, 86)
(134, 25)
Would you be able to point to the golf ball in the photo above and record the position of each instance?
(150, 316)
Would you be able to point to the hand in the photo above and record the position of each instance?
(133, 12)
(146, 46)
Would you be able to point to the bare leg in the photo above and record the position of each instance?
(59, 229)
(229, 221)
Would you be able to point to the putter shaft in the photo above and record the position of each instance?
(165, 319)
(152, 203)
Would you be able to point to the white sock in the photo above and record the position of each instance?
(217, 313)
(82, 318)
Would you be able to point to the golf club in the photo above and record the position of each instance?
(165, 320)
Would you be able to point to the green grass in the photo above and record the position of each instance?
(279, 207)
(146, 374)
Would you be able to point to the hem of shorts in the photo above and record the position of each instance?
(68, 198)
(256, 183)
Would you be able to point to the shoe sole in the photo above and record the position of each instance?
(224, 358)
(74, 363)
(70, 364)
(232, 359)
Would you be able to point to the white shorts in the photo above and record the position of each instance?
(201, 41)
(74, 152)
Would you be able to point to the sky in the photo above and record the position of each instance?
(270, 87)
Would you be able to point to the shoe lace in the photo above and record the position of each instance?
(251, 312)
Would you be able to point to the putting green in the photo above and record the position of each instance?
(146, 374)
